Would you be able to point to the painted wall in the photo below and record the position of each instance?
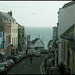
(66, 18)
(14, 34)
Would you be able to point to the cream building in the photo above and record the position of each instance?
(13, 31)
(14, 34)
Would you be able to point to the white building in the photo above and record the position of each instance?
(14, 34)
(66, 24)
(37, 44)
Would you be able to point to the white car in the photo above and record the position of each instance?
(3, 68)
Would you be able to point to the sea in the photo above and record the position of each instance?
(45, 33)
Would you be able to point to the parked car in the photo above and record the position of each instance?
(44, 52)
(18, 58)
(21, 54)
(7, 63)
(24, 55)
(38, 54)
(11, 62)
(3, 68)
(15, 59)
(34, 52)
(30, 52)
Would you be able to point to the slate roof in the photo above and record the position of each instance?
(2, 16)
(8, 16)
(68, 4)
(35, 40)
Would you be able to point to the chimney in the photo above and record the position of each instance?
(38, 36)
(10, 13)
(42, 38)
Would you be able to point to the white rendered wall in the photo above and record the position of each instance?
(66, 18)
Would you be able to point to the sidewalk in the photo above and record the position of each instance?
(50, 70)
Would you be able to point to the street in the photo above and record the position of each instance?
(25, 67)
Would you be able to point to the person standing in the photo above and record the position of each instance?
(61, 68)
(31, 59)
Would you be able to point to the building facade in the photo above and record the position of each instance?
(55, 45)
(66, 34)
(21, 38)
(37, 43)
(2, 39)
(11, 32)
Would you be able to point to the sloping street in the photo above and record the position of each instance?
(25, 67)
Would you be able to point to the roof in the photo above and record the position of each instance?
(8, 16)
(35, 40)
(68, 4)
(2, 16)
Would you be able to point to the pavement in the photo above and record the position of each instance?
(49, 70)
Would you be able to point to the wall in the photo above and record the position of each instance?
(14, 34)
(66, 18)
(39, 44)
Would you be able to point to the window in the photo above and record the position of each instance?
(22, 35)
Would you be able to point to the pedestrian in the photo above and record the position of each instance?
(50, 61)
(31, 59)
(53, 60)
(61, 68)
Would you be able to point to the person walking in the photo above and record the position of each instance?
(61, 68)
(31, 59)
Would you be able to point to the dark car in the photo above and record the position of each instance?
(44, 52)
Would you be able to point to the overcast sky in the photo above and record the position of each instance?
(33, 13)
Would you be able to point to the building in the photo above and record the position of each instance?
(37, 43)
(66, 34)
(21, 38)
(28, 41)
(11, 32)
(55, 45)
(2, 39)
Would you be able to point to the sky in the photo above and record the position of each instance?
(33, 13)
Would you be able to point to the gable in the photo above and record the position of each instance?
(39, 43)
